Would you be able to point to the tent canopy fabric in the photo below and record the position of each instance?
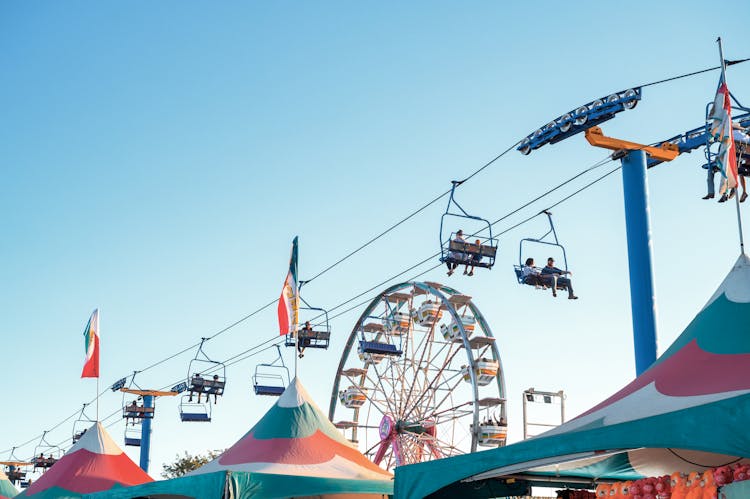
(657, 424)
(93, 464)
(293, 451)
(7, 489)
(295, 438)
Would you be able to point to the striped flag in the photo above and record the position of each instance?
(721, 132)
(91, 338)
(289, 300)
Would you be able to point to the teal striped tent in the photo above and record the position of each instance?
(293, 451)
(7, 489)
(688, 412)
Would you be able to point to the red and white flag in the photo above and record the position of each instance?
(91, 337)
(288, 308)
(721, 132)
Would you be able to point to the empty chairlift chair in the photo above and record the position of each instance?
(192, 411)
(455, 252)
(271, 379)
(133, 435)
(374, 344)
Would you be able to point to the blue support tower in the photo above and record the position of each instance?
(638, 229)
(148, 401)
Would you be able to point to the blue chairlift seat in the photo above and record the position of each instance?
(377, 347)
(463, 253)
(195, 412)
(133, 441)
(274, 391)
(310, 338)
(199, 384)
(133, 435)
(200, 417)
(137, 412)
(519, 275)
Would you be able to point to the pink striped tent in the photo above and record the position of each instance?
(95, 463)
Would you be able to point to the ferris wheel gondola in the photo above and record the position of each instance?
(401, 391)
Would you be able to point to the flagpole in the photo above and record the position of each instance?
(731, 130)
(98, 374)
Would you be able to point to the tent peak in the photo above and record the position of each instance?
(736, 285)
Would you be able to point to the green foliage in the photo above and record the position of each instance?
(187, 463)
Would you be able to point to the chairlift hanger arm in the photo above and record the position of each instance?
(665, 152)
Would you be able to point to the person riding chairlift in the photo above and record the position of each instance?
(742, 148)
(456, 255)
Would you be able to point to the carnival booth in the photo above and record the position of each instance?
(688, 413)
(93, 464)
(293, 451)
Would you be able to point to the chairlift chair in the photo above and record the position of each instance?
(317, 336)
(15, 468)
(193, 411)
(133, 435)
(375, 344)
(81, 424)
(272, 378)
(53, 453)
(206, 376)
(455, 252)
(518, 269)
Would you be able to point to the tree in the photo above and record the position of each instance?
(187, 463)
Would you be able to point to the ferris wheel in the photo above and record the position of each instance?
(420, 378)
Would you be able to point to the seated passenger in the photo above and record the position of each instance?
(214, 388)
(473, 260)
(530, 274)
(455, 254)
(132, 413)
(556, 275)
(303, 340)
(196, 386)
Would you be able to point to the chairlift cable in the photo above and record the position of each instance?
(728, 63)
(255, 312)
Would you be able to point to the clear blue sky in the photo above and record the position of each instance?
(158, 158)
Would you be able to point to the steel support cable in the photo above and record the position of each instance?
(728, 63)
(248, 316)
(598, 179)
(410, 216)
(419, 210)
